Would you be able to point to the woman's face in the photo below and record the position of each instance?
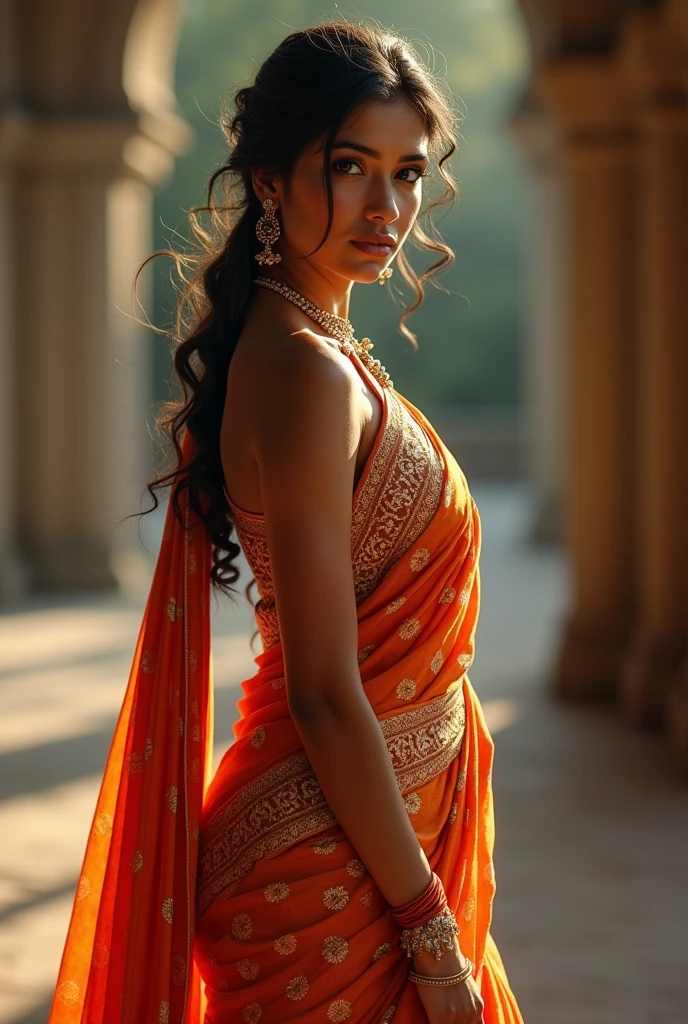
(378, 160)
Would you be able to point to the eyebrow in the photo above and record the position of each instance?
(374, 153)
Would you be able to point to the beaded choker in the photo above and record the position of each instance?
(338, 326)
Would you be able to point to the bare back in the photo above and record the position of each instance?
(256, 351)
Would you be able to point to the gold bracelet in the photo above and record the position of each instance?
(437, 932)
(453, 979)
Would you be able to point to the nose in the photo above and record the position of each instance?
(382, 206)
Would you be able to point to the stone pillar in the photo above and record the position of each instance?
(587, 98)
(13, 574)
(83, 200)
(88, 124)
(13, 568)
(545, 373)
(677, 697)
(655, 64)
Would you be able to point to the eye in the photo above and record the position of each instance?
(418, 171)
(341, 165)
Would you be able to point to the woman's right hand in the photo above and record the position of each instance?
(448, 1004)
(453, 1004)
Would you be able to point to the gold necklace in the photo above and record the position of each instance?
(338, 326)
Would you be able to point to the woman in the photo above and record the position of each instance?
(347, 833)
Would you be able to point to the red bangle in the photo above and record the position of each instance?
(429, 904)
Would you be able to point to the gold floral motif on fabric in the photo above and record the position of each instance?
(286, 803)
(339, 1010)
(83, 889)
(400, 494)
(252, 1013)
(336, 897)
(406, 689)
(178, 970)
(276, 892)
(325, 846)
(356, 868)
(248, 969)
(242, 926)
(297, 988)
(335, 949)
(167, 909)
(413, 802)
(68, 993)
(285, 945)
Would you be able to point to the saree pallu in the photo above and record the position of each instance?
(290, 924)
(128, 954)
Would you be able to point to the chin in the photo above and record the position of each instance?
(367, 274)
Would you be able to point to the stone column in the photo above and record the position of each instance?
(677, 697)
(655, 64)
(13, 574)
(587, 98)
(545, 373)
(83, 201)
(13, 568)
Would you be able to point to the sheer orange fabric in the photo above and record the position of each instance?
(128, 954)
(246, 880)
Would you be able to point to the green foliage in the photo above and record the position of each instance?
(470, 334)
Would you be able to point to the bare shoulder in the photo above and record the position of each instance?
(298, 381)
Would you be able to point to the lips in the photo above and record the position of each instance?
(375, 245)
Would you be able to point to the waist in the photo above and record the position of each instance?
(285, 803)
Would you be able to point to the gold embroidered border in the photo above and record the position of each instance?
(423, 741)
(399, 497)
(286, 803)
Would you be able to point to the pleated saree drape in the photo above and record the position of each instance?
(246, 880)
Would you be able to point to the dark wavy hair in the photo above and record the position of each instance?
(305, 89)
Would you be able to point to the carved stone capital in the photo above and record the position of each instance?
(142, 146)
(654, 59)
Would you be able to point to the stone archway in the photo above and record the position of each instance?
(88, 125)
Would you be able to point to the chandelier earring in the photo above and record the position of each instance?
(268, 231)
(385, 275)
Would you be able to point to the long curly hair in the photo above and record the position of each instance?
(305, 89)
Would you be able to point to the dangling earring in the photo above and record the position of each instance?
(268, 231)
(385, 275)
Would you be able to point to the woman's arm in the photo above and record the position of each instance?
(305, 447)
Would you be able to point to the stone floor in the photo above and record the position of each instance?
(591, 914)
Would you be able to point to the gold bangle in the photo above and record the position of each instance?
(439, 931)
(453, 979)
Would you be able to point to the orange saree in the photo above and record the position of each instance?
(240, 898)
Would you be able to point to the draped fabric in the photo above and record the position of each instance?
(128, 954)
(291, 925)
(240, 898)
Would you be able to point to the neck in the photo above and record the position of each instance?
(328, 291)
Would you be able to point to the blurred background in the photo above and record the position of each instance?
(552, 360)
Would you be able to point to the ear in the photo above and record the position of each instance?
(265, 186)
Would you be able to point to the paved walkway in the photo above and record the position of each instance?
(591, 914)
